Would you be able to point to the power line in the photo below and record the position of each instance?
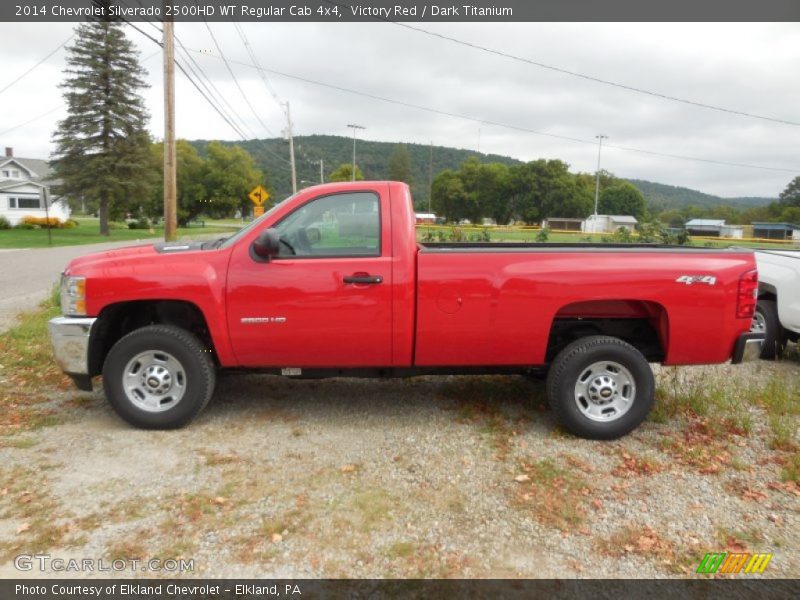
(192, 81)
(236, 81)
(254, 58)
(30, 70)
(505, 125)
(218, 109)
(231, 117)
(564, 71)
(54, 109)
(28, 122)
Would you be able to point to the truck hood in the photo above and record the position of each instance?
(110, 259)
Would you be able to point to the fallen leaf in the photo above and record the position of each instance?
(219, 500)
(277, 537)
(23, 527)
(349, 468)
(645, 543)
(597, 503)
(522, 478)
(749, 494)
(735, 545)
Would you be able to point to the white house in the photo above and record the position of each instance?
(608, 223)
(24, 185)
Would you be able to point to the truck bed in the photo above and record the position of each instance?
(502, 308)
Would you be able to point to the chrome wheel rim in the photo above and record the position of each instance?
(759, 323)
(154, 381)
(605, 391)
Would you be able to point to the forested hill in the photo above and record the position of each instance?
(660, 197)
(272, 157)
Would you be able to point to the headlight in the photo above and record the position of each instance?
(73, 296)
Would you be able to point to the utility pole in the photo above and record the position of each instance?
(291, 148)
(170, 175)
(597, 178)
(321, 175)
(354, 127)
(430, 179)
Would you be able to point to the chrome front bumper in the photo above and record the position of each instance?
(748, 347)
(70, 339)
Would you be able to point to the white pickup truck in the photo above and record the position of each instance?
(778, 311)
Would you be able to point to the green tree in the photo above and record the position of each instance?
(790, 214)
(192, 198)
(566, 197)
(102, 147)
(449, 199)
(345, 173)
(230, 174)
(672, 218)
(545, 188)
(622, 198)
(400, 164)
(791, 195)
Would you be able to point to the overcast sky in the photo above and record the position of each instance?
(745, 67)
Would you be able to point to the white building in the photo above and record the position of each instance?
(713, 228)
(608, 223)
(24, 185)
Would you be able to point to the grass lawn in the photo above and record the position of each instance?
(88, 233)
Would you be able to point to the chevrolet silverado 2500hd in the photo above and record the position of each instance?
(332, 282)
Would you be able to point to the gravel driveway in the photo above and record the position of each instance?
(425, 477)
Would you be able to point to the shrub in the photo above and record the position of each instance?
(70, 224)
(24, 225)
(543, 235)
(141, 223)
(4, 224)
(54, 222)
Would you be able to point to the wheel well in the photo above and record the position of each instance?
(118, 320)
(641, 324)
(767, 292)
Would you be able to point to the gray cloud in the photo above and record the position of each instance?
(747, 67)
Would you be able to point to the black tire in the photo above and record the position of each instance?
(766, 320)
(614, 416)
(191, 376)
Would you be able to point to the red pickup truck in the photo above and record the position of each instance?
(332, 282)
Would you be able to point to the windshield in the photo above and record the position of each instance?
(252, 225)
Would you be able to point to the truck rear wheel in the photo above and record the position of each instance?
(158, 377)
(600, 387)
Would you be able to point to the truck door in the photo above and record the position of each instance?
(326, 300)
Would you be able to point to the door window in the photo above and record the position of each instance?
(335, 226)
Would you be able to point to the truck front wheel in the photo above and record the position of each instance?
(600, 387)
(158, 377)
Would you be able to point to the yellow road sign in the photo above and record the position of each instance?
(258, 195)
(258, 211)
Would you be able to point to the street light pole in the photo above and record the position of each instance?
(597, 178)
(354, 127)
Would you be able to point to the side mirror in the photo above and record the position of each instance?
(267, 244)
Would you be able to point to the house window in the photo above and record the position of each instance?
(22, 202)
(6, 174)
(15, 174)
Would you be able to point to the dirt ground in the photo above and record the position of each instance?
(425, 477)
